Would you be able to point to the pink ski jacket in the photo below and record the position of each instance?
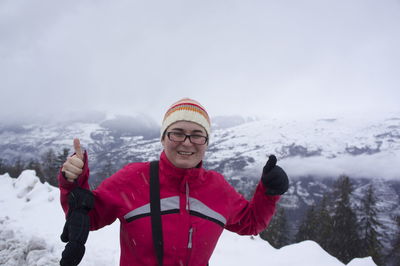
(196, 205)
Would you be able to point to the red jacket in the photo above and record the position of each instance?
(196, 206)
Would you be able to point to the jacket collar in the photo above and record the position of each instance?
(171, 171)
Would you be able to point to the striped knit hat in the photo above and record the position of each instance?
(186, 110)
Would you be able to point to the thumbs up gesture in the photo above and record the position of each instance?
(274, 178)
(73, 166)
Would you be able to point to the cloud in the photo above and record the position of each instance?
(257, 57)
(380, 165)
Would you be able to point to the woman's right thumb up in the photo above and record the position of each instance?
(73, 166)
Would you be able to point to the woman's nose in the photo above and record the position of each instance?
(187, 141)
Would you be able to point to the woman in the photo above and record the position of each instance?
(195, 204)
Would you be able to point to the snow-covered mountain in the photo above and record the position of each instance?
(314, 152)
(360, 147)
(31, 221)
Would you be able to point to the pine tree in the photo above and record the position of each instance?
(108, 169)
(34, 165)
(325, 226)
(345, 243)
(62, 157)
(50, 166)
(393, 258)
(317, 224)
(308, 227)
(369, 227)
(3, 167)
(277, 231)
(15, 170)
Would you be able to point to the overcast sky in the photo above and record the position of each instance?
(266, 58)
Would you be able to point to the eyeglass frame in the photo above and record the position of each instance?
(186, 137)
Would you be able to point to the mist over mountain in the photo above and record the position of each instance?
(224, 122)
(132, 126)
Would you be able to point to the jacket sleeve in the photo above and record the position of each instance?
(106, 208)
(250, 217)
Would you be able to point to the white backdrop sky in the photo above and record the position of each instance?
(280, 58)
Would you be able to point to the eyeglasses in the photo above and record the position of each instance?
(181, 137)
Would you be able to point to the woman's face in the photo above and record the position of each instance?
(184, 154)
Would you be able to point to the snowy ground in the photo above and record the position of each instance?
(31, 221)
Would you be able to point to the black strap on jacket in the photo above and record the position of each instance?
(156, 225)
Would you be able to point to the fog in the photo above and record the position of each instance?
(377, 166)
(264, 58)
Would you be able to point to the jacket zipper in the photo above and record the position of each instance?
(187, 197)
(190, 244)
(190, 240)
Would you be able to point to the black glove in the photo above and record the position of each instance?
(76, 228)
(274, 178)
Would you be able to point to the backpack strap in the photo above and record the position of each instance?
(155, 209)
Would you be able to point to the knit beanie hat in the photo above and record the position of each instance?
(186, 110)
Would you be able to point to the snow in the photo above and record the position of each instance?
(31, 221)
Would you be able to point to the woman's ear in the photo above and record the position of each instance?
(163, 139)
(163, 142)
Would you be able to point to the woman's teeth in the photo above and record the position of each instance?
(185, 153)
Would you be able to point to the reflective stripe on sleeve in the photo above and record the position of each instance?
(198, 208)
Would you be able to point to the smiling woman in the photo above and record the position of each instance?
(187, 127)
(185, 145)
(173, 211)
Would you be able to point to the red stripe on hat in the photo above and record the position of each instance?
(181, 106)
